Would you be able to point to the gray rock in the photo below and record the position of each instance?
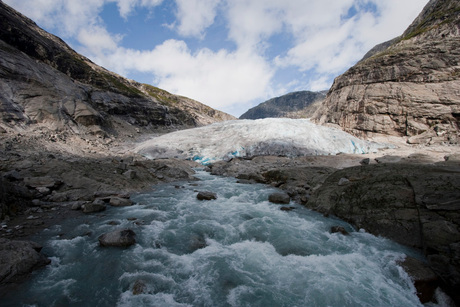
(18, 259)
(343, 181)
(279, 198)
(42, 182)
(96, 206)
(206, 195)
(118, 238)
(365, 161)
(130, 174)
(412, 204)
(425, 279)
(120, 202)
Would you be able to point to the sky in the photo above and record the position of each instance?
(228, 54)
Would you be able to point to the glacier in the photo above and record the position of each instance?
(246, 138)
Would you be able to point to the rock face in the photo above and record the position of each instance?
(19, 258)
(42, 80)
(406, 87)
(293, 105)
(416, 205)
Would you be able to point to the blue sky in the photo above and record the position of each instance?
(228, 54)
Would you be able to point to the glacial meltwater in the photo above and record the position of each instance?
(237, 250)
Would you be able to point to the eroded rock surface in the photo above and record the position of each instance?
(18, 259)
(410, 88)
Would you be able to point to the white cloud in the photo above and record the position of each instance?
(194, 16)
(125, 7)
(218, 79)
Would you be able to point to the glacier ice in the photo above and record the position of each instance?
(241, 138)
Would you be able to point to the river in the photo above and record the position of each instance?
(237, 250)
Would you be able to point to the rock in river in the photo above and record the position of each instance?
(119, 238)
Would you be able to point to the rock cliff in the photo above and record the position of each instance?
(44, 81)
(405, 87)
(293, 105)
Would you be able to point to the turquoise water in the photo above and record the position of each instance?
(238, 250)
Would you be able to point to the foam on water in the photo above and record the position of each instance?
(238, 250)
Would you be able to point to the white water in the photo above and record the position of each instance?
(269, 136)
(238, 250)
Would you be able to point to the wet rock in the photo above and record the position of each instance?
(139, 287)
(412, 204)
(120, 202)
(118, 238)
(425, 279)
(206, 195)
(279, 198)
(365, 161)
(197, 242)
(77, 205)
(96, 206)
(18, 259)
(339, 229)
(287, 208)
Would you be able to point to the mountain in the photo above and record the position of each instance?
(293, 105)
(406, 87)
(43, 81)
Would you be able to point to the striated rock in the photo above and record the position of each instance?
(408, 87)
(18, 259)
(293, 105)
(118, 238)
(44, 81)
(206, 195)
(279, 198)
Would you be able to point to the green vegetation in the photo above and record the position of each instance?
(429, 22)
(162, 96)
(120, 86)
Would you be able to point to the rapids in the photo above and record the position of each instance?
(238, 250)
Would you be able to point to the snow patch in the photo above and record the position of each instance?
(244, 138)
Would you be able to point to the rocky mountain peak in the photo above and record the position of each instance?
(300, 104)
(405, 87)
(45, 82)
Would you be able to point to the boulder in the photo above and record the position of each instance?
(18, 259)
(96, 206)
(279, 198)
(120, 202)
(118, 238)
(206, 195)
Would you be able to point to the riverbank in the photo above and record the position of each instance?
(408, 194)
